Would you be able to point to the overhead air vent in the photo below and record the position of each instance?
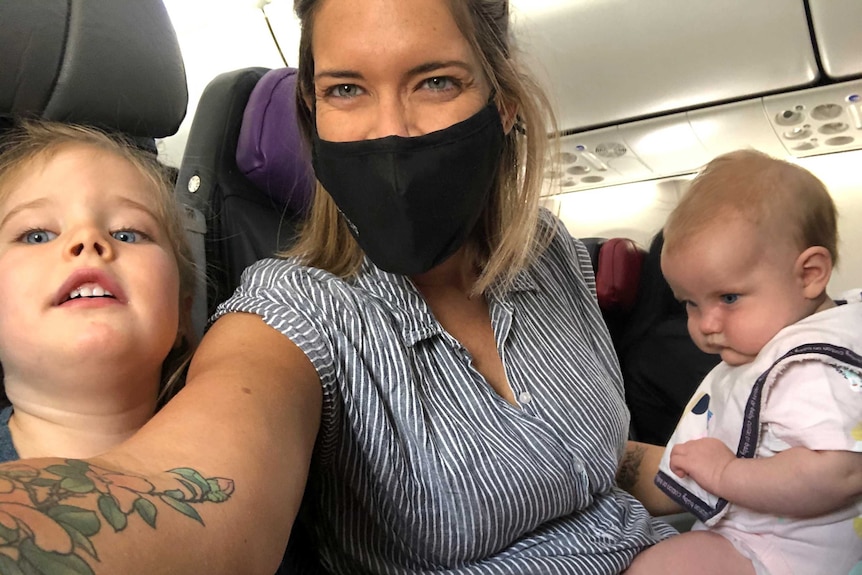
(801, 123)
(820, 120)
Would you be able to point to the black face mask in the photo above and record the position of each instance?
(411, 202)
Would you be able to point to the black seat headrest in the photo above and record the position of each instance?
(114, 64)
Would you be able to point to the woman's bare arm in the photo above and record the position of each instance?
(636, 474)
(210, 485)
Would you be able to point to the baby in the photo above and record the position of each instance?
(768, 453)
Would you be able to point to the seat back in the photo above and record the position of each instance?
(661, 365)
(245, 175)
(113, 64)
(618, 264)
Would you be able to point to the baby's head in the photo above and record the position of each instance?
(31, 153)
(750, 250)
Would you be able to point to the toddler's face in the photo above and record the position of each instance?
(86, 270)
(738, 286)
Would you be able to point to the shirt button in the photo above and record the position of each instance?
(579, 466)
(525, 397)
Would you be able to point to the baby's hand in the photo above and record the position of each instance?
(704, 460)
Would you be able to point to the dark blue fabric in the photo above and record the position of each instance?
(7, 448)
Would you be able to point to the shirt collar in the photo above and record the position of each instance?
(407, 305)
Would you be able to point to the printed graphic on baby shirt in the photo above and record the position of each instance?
(853, 377)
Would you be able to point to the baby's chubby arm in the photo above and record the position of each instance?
(798, 482)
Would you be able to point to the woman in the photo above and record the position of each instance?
(453, 396)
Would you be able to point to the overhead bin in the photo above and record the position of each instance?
(838, 30)
(645, 90)
(607, 61)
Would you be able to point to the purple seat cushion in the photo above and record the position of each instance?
(270, 151)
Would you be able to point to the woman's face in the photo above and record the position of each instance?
(391, 67)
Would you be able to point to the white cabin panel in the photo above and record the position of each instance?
(613, 60)
(735, 126)
(837, 25)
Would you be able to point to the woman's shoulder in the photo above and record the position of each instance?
(288, 283)
(558, 248)
(270, 272)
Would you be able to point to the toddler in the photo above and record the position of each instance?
(96, 281)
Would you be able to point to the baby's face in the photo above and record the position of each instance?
(86, 269)
(739, 288)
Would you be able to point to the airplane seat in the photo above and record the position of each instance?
(617, 263)
(620, 266)
(112, 64)
(244, 172)
(270, 149)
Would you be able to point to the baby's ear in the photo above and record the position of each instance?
(814, 269)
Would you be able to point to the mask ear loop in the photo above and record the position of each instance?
(519, 126)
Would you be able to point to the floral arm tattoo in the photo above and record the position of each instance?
(628, 472)
(48, 516)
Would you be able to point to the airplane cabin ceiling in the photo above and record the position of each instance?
(645, 90)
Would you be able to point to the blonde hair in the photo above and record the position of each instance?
(506, 237)
(772, 194)
(33, 140)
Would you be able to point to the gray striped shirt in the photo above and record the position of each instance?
(420, 466)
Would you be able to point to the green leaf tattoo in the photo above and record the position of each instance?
(48, 515)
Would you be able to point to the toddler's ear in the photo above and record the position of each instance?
(814, 268)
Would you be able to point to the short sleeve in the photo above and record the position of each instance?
(290, 299)
(572, 250)
(815, 405)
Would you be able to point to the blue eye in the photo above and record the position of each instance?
(440, 83)
(345, 91)
(38, 237)
(729, 298)
(128, 236)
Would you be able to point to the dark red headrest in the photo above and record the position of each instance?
(618, 273)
